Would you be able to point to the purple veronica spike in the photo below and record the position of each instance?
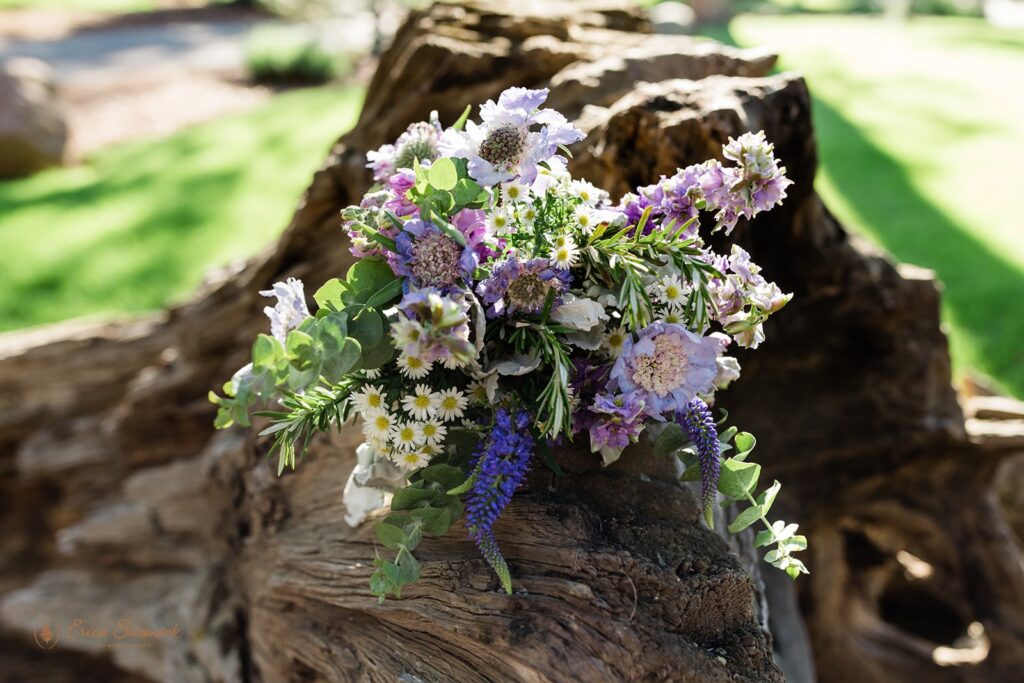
(698, 422)
(500, 465)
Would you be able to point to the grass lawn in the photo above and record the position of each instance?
(141, 222)
(921, 135)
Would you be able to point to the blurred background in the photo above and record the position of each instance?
(145, 142)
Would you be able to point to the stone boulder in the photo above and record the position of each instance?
(33, 130)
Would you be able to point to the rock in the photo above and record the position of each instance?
(33, 131)
(850, 399)
(672, 17)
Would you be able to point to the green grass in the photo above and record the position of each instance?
(82, 5)
(139, 225)
(922, 149)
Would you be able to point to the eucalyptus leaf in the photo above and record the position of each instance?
(391, 536)
(738, 478)
(745, 519)
(410, 498)
(671, 439)
(331, 294)
(443, 175)
(436, 521)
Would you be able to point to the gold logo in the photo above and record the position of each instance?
(47, 636)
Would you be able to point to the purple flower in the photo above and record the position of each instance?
(756, 184)
(680, 194)
(506, 146)
(699, 424)
(434, 327)
(400, 183)
(500, 464)
(430, 258)
(419, 141)
(521, 286)
(620, 419)
(667, 366)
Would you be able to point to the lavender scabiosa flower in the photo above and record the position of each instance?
(419, 141)
(290, 309)
(697, 420)
(506, 146)
(431, 258)
(499, 465)
(521, 286)
(667, 366)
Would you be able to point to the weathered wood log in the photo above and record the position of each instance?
(120, 502)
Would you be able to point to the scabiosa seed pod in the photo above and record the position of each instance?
(699, 423)
(500, 465)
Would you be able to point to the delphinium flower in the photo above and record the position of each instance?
(699, 423)
(756, 184)
(516, 286)
(500, 465)
(620, 419)
(433, 327)
(667, 366)
(290, 309)
(507, 145)
(419, 141)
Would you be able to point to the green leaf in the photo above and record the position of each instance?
(391, 536)
(376, 356)
(266, 352)
(671, 439)
(466, 192)
(385, 294)
(367, 327)
(408, 568)
(443, 175)
(745, 443)
(331, 331)
(410, 498)
(436, 521)
(299, 346)
(738, 478)
(763, 538)
(461, 122)
(368, 275)
(339, 363)
(446, 476)
(330, 294)
(745, 519)
(766, 499)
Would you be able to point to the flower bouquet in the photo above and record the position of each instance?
(500, 308)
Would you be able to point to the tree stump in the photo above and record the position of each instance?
(121, 502)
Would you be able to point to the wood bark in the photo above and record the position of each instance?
(120, 501)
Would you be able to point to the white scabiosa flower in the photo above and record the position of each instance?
(406, 436)
(422, 403)
(369, 398)
(413, 367)
(433, 432)
(616, 341)
(452, 404)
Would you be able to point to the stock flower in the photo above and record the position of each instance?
(521, 286)
(413, 367)
(500, 463)
(755, 184)
(667, 366)
(422, 404)
(452, 404)
(419, 141)
(290, 309)
(506, 146)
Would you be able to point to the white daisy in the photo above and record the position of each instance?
(671, 291)
(527, 215)
(413, 460)
(407, 436)
(372, 374)
(433, 431)
(478, 392)
(564, 255)
(587, 193)
(500, 222)
(377, 426)
(413, 367)
(514, 192)
(406, 333)
(422, 403)
(673, 316)
(585, 219)
(368, 399)
(616, 340)
(453, 403)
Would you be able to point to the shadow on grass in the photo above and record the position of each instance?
(982, 295)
